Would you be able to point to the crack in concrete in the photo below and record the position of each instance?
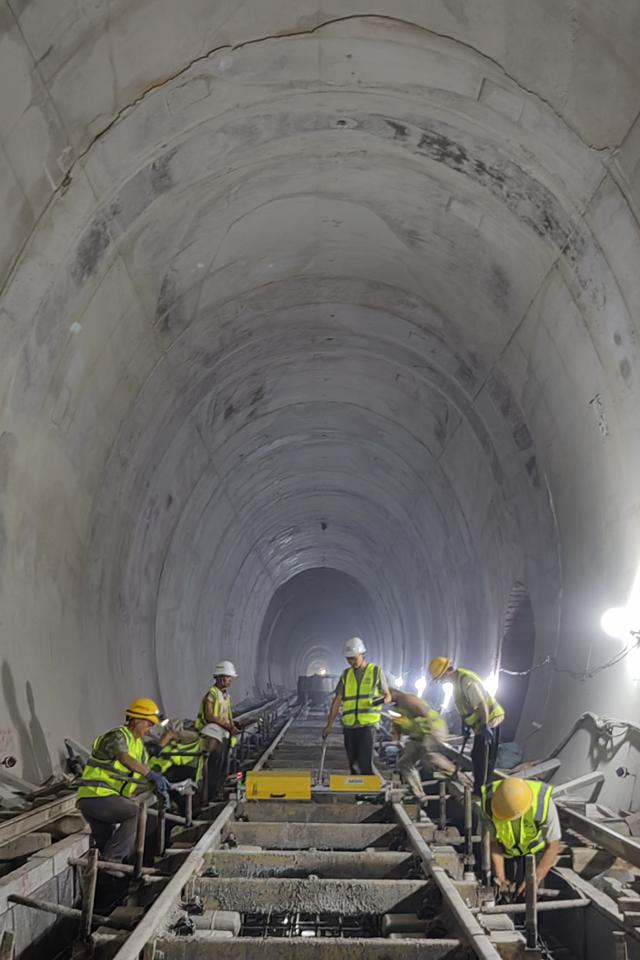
(309, 31)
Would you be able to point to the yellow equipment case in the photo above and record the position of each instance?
(355, 782)
(278, 785)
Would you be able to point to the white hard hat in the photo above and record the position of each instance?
(224, 669)
(353, 647)
(211, 730)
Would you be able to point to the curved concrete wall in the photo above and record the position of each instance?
(287, 290)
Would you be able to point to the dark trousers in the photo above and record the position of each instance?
(216, 769)
(358, 742)
(515, 868)
(483, 758)
(113, 825)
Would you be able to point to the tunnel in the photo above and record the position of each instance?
(317, 321)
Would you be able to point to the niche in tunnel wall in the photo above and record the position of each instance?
(516, 654)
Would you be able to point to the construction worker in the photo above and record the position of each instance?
(116, 769)
(182, 752)
(216, 710)
(523, 819)
(360, 685)
(426, 730)
(480, 712)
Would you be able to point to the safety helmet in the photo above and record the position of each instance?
(224, 669)
(511, 799)
(353, 647)
(438, 667)
(143, 709)
(211, 730)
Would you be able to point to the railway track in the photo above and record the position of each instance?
(334, 868)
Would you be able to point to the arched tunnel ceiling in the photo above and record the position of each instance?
(288, 290)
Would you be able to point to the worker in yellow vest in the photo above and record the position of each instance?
(216, 709)
(426, 731)
(182, 753)
(523, 820)
(480, 712)
(358, 689)
(117, 768)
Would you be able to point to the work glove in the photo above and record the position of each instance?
(486, 734)
(161, 785)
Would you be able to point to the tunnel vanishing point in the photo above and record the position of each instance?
(317, 322)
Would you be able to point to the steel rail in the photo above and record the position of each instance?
(471, 931)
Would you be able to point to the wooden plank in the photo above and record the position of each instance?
(34, 819)
(24, 846)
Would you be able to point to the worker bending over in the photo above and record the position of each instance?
(426, 730)
(523, 820)
(116, 769)
(181, 754)
(358, 689)
(480, 712)
(216, 710)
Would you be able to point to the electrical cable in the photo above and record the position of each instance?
(585, 675)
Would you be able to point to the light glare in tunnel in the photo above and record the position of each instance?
(619, 622)
(421, 683)
(622, 623)
(491, 683)
(447, 691)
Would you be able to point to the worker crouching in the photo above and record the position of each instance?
(181, 756)
(427, 731)
(523, 820)
(117, 768)
(361, 691)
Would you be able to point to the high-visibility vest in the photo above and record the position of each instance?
(357, 705)
(221, 704)
(521, 837)
(177, 754)
(418, 727)
(469, 715)
(104, 778)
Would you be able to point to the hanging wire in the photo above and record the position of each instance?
(587, 674)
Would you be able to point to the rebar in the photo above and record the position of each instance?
(531, 903)
(89, 894)
(141, 834)
(442, 804)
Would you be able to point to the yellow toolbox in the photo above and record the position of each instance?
(355, 782)
(278, 785)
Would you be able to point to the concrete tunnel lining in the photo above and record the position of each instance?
(362, 275)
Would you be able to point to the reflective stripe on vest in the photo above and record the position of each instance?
(221, 703)
(103, 778)
(357, 706)
(177, 754)
(469, 715)
(528, 828)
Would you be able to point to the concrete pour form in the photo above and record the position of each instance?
(315, 321)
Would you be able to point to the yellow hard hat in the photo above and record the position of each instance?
(512, 798)
(438, 666)
(143, 709)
